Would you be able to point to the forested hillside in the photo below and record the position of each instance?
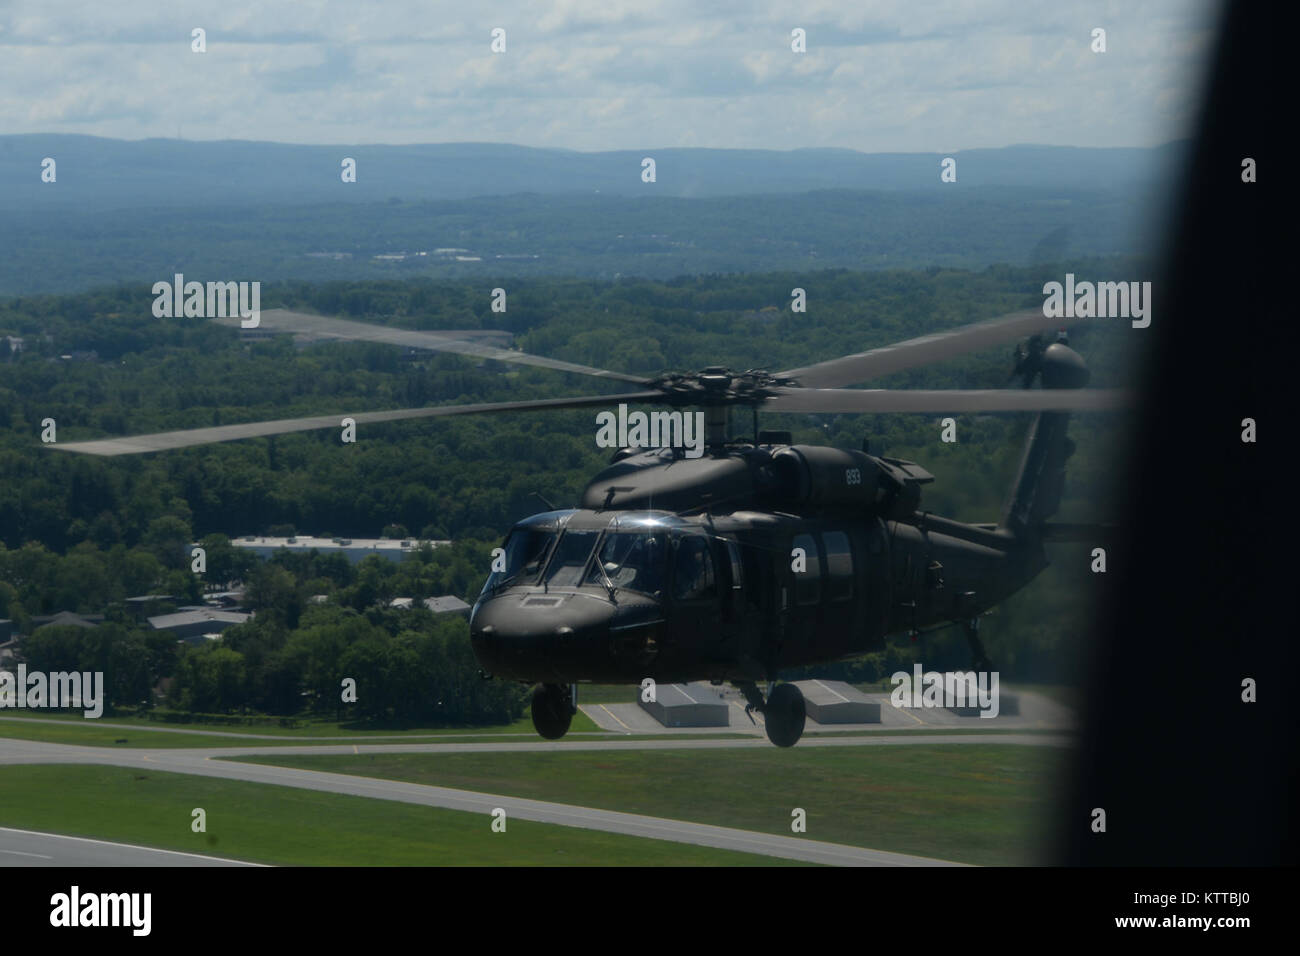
(105, 174)
(65, 247)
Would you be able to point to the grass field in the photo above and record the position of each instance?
(985, 804)
(283, 825)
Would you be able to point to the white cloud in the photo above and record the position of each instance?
(610, 74)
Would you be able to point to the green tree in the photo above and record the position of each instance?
(168, 539)
(273, 592)
(210, 679)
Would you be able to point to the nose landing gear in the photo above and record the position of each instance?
(553, 709)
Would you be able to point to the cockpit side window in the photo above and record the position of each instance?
(525, 550)
(693, 576)
(631, 560)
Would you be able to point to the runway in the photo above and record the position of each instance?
(200, 762)
(31, 751)
(32, 848)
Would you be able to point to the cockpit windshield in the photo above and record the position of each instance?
(632, 560)
(525, 553)
(570, 560)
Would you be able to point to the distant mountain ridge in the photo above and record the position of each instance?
(98, 173)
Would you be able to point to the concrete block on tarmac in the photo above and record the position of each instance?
(835, 702)
(688, 705)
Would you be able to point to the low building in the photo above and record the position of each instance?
(65, 619)
(687, 705)
(447, 604)
(198, 624)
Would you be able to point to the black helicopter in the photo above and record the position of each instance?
(757, 556)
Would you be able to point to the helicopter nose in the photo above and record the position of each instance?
(551, 638)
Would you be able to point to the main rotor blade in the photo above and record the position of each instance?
(882, 400)
(321, 326)
(852, 369)
(161, 441)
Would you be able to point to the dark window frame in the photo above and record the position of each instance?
(737, 564)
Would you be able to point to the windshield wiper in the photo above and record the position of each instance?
(604, 577)
(609, 585)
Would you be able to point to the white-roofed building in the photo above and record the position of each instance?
(355, 550)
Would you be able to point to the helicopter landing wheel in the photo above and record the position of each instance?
(784, 715)
(552, 710)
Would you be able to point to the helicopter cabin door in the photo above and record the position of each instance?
(804, 630)
(841, 627)
(697, 594)
(875, 583)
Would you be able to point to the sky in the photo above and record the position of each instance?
(592, 75)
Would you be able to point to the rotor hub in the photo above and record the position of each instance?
(717, 385)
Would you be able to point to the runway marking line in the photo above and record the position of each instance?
(615, 716)
(904, 710)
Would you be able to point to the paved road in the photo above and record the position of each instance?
(199, 762)
(18, 751)
(32, 848)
